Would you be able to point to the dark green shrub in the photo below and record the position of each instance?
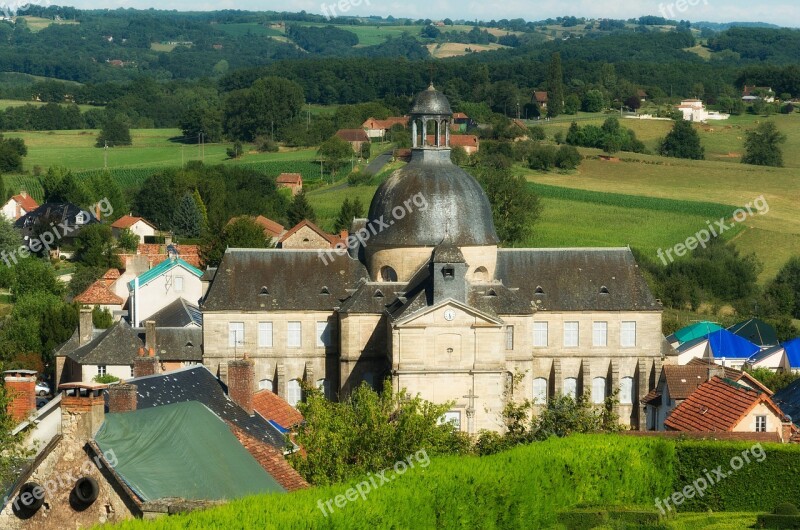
(770, 520)
(582, 518)
(786, 508)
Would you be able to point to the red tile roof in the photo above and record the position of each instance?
(733, 374)
(127, 221)
(540, 96)
(271, 460)
(330, 238)
(717, 405)
(353, 135)
(457, 140)
(460, 116)
(99, 294)
(26, 202)
(271, 228)
(156, 253)
(111, 274)
(272, 407)
(386, 124)
(290, 178)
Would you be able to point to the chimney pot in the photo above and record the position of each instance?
(82, 409)
(241, 378)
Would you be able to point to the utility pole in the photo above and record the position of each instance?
(105, 155)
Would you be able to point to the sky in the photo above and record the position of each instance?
(782, 12)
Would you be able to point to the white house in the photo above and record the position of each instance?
(694, 110)
(138, 225)
(19, 205)
(160, 286)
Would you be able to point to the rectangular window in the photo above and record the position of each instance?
(323, 334)
(571, 334)
(540, 334)
(235, 334)
(627, 335)
(761, 424)
(178, 284)
(265, 334)
(600, 334)
(293, 335)
(509, 337)
(294, 392)
(101, 369)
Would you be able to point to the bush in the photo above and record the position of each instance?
(770, 520)
(582, 518)
(568, 157)
(786, 508)
(105, 379)
(266, 145)
(542, 157)
(359, 178)
(537, 132)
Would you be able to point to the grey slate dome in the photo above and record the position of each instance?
(431, 102)
(457, 212)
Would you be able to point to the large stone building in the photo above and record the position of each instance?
(428, 302)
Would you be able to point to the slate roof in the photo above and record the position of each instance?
(161, 268)
(431, 102)
(178, 314)
(717, 405)
(372, 297)
(788, 399)
(272, 407)
(291, 280)
(683, 380)
(59, 211)
(118, 345)
(196, 383)
(572, 279)
(176, 343)
(756, 331)
(99, 294)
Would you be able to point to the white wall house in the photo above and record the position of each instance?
(19, 205)
(160, 286)
(694, 110)
(138, 225)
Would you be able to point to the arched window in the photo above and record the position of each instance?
(294, 392)
(570, 387)
(540, 390)
(481, 274)
(598, 390)
(266, 384)
(388, 274)
(626, 390)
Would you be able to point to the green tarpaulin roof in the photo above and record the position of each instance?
(695, 331)
(182, 450)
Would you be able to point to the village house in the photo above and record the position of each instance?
(273, 231)
(355, 137)
(307, 235)
(721, 346)
(292, 181)
(379, 128)
(101, 294)
(138, 225)
(695, 111)
(782, 357)
(469, 142)
(540, 98)
(431, 304)
(19, 205)
(753, 93)
(461, 123)
(158, 287)
(68, 217)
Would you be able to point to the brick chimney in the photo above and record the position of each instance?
(241, 378)
(85, 326)
(146, 364)
(82, 409)
(21, 388)
(150, 335)
(122, 398)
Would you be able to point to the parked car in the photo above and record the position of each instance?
(42, 389)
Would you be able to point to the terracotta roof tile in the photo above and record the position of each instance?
(26, 202)
(289, 178)
(127, 221)
(353, 135)
(99, 294)
(716, 405)
(156, 253)
(271, 460)
(458, 140)
(388, 123)
(733, 374)
(272, 407)
(111, 274)
(271, 228)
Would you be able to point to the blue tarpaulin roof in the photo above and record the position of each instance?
(792, 348)
(723, 343)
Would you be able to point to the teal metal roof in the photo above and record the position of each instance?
(161, 268)
(696, 330)
(182, 450)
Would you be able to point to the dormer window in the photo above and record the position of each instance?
(448, 272)
(264, 291)
(325, 290)
(378, 293)
(604, 290)
(539, 290)
(491, 292)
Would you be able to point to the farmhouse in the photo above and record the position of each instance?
(19, 205)
(378, 128)
(293, 181)
(138, 225)
(694, 110)
(429, 303)
(355, 137)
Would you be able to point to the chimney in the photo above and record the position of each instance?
(122, 398)
(82, 409)
(85, 326)
(23, 194)
(144, 365)
(716, 370)
(21, 388)
(241, 378)
(150, 335)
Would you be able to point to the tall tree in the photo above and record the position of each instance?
(300, 209)
(116, 131)
(241, 233)
(555, 86)
(348, 212)
(515, 207)
(201, 207)
(187, 219)
(762, 145)
(95, 247)
(682, 142)
(261, 110)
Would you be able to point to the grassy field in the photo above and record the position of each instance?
(372, 35)
(38, 24)
(455, 49)
(6, 103)
(248, 28)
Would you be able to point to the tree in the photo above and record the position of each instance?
(127, 240)
(572, 104)
(201, 207)
(244, 232)
(555, 86)
(369, 431)
(762, 145)
(682, 142)
(102, 318)
(115, 132)
(12, 150)
(515, 207)
(83, 277)
(95, 247)
(348, 212)
(235, 151)
(459, 156)
(633, 102)
(334, 152)
(594, 101)
(567, 415)
(187, 220)
(568, 157)
(300, 209)
(202, 118)
(267, 106)
(156, 199)
(33, 275)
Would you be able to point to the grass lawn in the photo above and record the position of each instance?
(38, 24)
(6, 103)
(713, 521)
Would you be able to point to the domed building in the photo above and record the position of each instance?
(425, 300)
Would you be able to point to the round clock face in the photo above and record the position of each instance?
(449, 314)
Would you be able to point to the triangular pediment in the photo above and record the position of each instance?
(423, 317)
